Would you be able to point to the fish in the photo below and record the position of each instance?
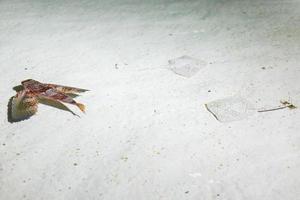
(25, 103)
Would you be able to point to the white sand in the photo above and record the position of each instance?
(146, 133)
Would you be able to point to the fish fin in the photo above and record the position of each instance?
(67, 89)
(59, 96)
(23, 106)
(81, 107)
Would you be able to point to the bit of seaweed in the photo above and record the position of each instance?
(288, 104)
(285, 104)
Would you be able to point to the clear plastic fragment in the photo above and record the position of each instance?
(186, 66)
(230, 109)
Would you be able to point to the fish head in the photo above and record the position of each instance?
(29, 83)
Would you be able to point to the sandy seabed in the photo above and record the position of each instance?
(146, 133)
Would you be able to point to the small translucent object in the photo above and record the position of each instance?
(230, 109)
(186, 66)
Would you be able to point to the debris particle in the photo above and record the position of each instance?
(186, 192)
(124, 158)
(75, 164)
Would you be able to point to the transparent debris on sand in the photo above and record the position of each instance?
(230, 109)
(186, 66)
